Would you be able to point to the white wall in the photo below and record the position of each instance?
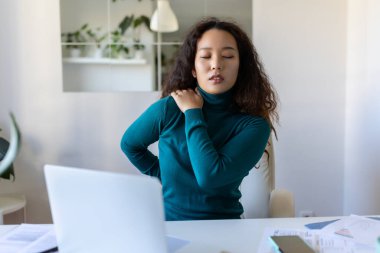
(362, 174)
(191, 11)
(76, 129)
(302, 45)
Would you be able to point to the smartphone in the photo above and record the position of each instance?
(290, 244)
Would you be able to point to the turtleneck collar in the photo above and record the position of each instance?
(217, 101)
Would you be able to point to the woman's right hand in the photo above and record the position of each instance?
(187, 99)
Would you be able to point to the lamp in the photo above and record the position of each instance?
(164, 19)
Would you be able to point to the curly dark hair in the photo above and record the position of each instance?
(252, 93)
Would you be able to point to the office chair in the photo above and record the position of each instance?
(259, 198)
(10, 203)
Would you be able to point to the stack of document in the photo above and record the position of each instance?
(351, 234)
(29, 238)
(318, 241)
(34, 238)
(361, 231)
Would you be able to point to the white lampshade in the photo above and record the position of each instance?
(163, 19)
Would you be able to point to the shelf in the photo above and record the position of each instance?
(84, 60)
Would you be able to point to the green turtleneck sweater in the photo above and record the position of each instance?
(204, 154)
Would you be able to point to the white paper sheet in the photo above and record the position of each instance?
(31, 238)
(360, 230)
(319, 242)
(28, 238)
(47, 241)
(174, 243)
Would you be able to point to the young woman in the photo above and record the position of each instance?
(212, 123)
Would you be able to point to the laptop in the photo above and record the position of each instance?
(98, 211)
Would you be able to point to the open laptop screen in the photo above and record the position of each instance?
(99, 211)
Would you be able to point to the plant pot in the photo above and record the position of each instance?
(75, 52)
(139, 54)
(98, 53)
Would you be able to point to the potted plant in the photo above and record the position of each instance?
(139, 49)
(117, 48)
(8, 151)
(95, 37)
(138, 23)
(74, 41)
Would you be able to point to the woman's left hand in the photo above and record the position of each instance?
(187, 99)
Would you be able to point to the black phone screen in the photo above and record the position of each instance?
(290, 244)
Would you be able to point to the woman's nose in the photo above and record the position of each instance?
(216, 64)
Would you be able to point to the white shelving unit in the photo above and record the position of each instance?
(88, 60)
(106, 74)
(89, 73)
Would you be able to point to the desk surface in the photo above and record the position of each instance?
(223, 236)
(232, 236)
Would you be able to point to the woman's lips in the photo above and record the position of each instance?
(217, 78)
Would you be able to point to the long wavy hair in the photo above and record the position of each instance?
(252, 93)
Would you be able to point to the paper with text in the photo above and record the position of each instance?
(355, 228)
(28, 238)
(31, 238)
(319, 242)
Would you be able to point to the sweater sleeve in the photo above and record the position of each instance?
(231, 162)
(142, 133)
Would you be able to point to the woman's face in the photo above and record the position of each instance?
(216, 61)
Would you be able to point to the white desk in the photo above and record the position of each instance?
(232, 236)
(222, 236)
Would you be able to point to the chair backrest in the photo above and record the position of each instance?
(258, 185)
(10, 150)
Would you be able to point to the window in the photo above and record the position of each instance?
(107, 44)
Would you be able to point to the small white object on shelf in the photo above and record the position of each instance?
(139, 55)
(75, 52)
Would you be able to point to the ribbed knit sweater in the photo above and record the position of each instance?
(204, 154)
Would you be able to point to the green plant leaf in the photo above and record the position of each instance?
(126, 23)
(84, 27)
(141, 20)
